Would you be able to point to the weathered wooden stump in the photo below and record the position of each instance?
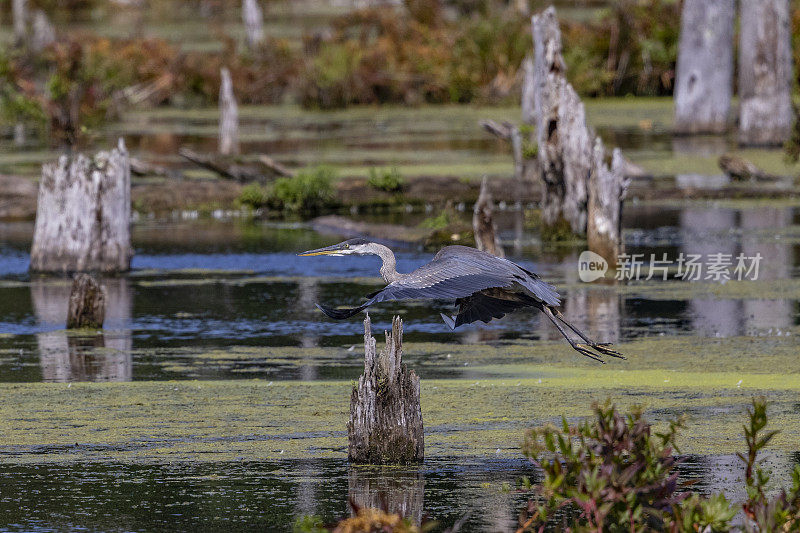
(385, 413)
(704, 77)
(228, 116)
(562, 135)
(607, 190)
(87, 303)
(83, 214)
(253, 19)
(486, 236)
(765, 73)
(571, 158)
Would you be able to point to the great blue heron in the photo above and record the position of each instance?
(484, 287)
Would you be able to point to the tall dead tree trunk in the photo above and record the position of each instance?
(19, 13)
(253, 19)
(486, 236)
(563, 138)
(385, 413)
(570, 158)
(83, 214)
(765, 73)
(607, 188)
(228, 116)
(704, 78)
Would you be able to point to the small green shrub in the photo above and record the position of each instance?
(308, 192)
(439, 222)
(386, 180)
(254, 196)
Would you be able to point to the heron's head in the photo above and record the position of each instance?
(348, 247)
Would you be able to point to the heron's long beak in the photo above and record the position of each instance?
(328, 250)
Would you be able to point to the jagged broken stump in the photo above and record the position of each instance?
(385, 413)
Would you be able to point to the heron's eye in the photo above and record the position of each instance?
(347, 246)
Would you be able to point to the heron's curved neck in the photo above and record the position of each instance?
(389, 268)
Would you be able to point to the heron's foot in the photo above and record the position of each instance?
(598, 348)
(584, 349)
(603, 348)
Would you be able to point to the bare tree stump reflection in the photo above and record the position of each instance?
(398, 490)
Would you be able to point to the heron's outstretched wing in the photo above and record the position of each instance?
(455, 272)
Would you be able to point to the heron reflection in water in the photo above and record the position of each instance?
(484, 287)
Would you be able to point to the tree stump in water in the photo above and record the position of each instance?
(87, 303)
(704, 78)
(563, 138)
(228, 116)
(83, 214)
(607, 190)
(486, 236)
(385, 413)
(765, 73)
(571, 158)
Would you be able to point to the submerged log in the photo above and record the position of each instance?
(607, 189)
(83, 214)
(704, 74)
(87, 303)
(253, 19)
(234, 168)
(385, 414)
(765, 73)
(486, 236)
(228, 116)
(740, 169)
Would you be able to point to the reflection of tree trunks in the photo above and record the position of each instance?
(307, 297)
(701, 235)
(776, 263)
(103, 357)
(596, 312)
(396, 491)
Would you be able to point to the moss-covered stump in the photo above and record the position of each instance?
(385, 413)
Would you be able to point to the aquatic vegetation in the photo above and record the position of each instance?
(254, 196)
(614, 473)
(389, 180)
(308, 192)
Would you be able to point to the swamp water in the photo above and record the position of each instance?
(217, 396)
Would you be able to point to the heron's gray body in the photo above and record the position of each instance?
(483, 286)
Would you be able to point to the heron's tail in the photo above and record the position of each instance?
(341, 314)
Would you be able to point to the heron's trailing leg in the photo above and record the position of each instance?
(602, 347)
(580, 348)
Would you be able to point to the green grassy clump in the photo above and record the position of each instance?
(310, 191)
(389, 180)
